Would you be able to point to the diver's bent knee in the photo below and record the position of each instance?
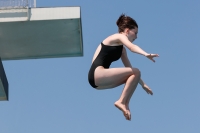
(136, 72)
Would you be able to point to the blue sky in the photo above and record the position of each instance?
(54, 96)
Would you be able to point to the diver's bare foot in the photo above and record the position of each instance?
(129, 114)
(128, 110)
(122, 107)
(127, 106)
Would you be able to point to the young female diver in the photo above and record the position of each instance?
(111, 49)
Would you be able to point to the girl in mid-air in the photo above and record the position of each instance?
(111, 49)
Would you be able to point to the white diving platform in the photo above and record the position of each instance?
(35, 33)
(42, 33)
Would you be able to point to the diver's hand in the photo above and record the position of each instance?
(151, 56)
(147, 89)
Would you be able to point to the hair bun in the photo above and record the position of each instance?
(120, 19)
(124, 22)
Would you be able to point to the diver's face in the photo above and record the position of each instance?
(132, 34)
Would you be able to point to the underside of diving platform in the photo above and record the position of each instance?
(41, 33)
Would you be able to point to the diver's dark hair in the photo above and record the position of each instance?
(124, 22)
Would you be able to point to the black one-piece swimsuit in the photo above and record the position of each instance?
(106, 56)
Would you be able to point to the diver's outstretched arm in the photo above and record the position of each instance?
(136, 49)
